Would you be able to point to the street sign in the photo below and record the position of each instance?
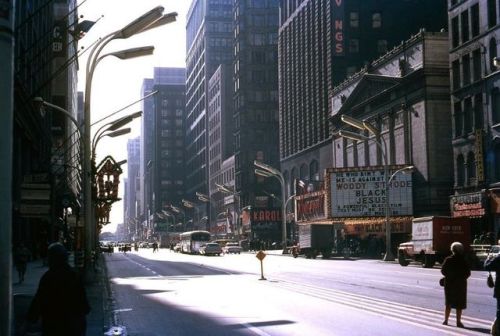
(261, 255)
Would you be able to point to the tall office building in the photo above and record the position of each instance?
(132, 186)
(321, 43)
(163, 163)
(209, 43)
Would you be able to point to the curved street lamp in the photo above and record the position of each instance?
(268, 171)
(142, 23)
(366, 126)
(236, 195)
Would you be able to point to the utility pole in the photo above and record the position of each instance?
(6, 136)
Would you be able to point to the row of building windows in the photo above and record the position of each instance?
(376, 20)
(467, 24)
(468, 115)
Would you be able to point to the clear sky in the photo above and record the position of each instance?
(118, 83)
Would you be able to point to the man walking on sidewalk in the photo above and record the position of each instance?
(60, 301)
(21, 258)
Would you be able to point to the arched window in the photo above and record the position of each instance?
(495, 106)
(314, 171)
(304, 174)
(471, 168)
(497, 162)
(293, 176)
(460, 170)
(287, 182)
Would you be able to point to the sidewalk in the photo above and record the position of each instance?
(22, 294)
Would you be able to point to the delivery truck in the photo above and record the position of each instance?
(432, 238)
(315, 239)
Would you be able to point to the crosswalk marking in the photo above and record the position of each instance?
(423, 317)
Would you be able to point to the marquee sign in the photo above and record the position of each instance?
(361, 192)
(468, 205)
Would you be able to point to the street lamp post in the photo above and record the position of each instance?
(365, 126)
(206, 199)
(268, 171)
(149, 20)
(225, 189)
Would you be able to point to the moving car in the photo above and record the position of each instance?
(210, 249)
(231, 247)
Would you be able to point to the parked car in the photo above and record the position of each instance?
(232, 247)
(177, 247)
(210, 249)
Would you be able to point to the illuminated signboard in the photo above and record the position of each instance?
(311, 206)
(338, 27)
(361, 193)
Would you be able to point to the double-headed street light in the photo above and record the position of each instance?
(268, 171)
(224, 189)
(152, 19)
(206, 199)
(365, 126)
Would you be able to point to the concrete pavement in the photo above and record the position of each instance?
(99, 318)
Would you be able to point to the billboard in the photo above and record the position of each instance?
(361, 192)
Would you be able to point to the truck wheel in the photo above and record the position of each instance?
(428, 261)
(402, 260)
(325, 254)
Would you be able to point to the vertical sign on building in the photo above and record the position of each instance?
(338, 27)
(479, 155)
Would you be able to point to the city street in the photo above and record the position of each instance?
(169, 293)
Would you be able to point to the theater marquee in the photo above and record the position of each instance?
(361, 192)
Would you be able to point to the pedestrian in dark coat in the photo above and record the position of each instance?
(456, 272)
(21, 258)
(60, 300)
(492, 264)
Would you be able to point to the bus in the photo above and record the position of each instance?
(192, 240)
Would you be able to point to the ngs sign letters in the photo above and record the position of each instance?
(361, 193)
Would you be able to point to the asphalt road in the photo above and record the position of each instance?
(167, 293)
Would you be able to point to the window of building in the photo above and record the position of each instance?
(471, 168)
(455, 73)
(474, 17)
(354, 19)
(464, 17)
(314, 171)
(492, 53)
(466, 69)
(376, 20)
(382, 46)
(457, 115)
(468, 116)
(497, 162)
(478, 111)
(476, 60)
(460, 170)
(495, 106)
(304, 174)
(455, 40)
(492, 13)
(354, 45)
